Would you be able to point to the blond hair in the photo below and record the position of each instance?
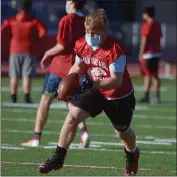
(97, 21)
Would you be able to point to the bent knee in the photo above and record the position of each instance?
(78, 114)
(121, 134)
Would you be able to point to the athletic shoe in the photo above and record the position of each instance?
(132, 162)
(144, 99)
(13, 98)
(85, 140)
(55, 163)
(33, 142)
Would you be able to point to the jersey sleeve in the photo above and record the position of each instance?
(78, 59)
(118, 65)
(5, 25)
(145, 30)
(41, 28)
(63, 31)
(78, 48)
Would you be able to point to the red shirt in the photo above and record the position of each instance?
(71, 28)
(152, 30)
(97, 64)
(25, 30)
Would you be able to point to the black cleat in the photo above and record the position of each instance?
(132, 163)
(144, 99)
(13, 98)
(55, 163)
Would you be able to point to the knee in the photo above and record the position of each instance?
(119, 134)
(45, 101)
(77, 115)
(123, 134)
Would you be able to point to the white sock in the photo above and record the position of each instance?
(131, 151)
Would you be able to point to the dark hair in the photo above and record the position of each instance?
(26, 5)
(79, 4)
(150, 11)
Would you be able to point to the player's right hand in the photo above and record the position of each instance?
(44, 63)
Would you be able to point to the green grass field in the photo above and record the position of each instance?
(155, 126)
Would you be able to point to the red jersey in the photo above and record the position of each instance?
(97, 64)
(152, 30)
(71, 28)
(25, 30)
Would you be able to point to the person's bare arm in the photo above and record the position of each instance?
(115, 81)
(116, 72)
(57, 49)
(78, 67)
(142, 46)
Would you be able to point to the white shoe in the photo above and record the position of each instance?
(33, 142)
(85, 140)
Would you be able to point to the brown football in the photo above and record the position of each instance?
(68, 86)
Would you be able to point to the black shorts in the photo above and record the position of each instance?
(150, 66)
(120, 112)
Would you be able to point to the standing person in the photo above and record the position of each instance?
(109, 89)
(149, 54)
(25, 31)
(71, 28)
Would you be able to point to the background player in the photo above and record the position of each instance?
(149, 54)
(25, 31)
(110, 90)
(71, 28)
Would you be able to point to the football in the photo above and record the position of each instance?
(68, 86)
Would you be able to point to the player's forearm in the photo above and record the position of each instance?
(57, 49)
(106, 84)
(74, 69)
(142, 46)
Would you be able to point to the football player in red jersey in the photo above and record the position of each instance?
(108, 88)
(24, 31)
(71, 28)
(149, 54)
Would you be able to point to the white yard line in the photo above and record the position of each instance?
(85, 166)
(92, 134)
(147, 126)
(11, 147)
(135, 116)
(62, 105)
(77, 147)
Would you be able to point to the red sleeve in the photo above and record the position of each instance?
(41, 28)
(76, 48)
(6, 32)
(145, 30)
(63, 36)
(5, 25)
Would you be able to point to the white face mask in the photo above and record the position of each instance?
(67, 10)
(93, 41)
(67, 7)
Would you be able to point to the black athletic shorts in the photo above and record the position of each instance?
(150, 66)
(120, 112)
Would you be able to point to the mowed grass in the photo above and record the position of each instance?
(155, 126)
